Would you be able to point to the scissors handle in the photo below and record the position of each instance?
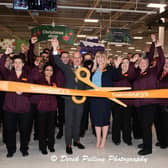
(83, 74)
(85, 78)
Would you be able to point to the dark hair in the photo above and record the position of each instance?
(64, 52)
(44, 52)
(83, 55)
(18, 57)
(88, 63)
(46, 65)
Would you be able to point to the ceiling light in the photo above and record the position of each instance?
(108, 49)
(118, 51)
(148, 42)
(88, 29)
(138, 50)
(131, 48)
(81, 35)
(75, 44)
(118, 45)
(73, 48)
(138, 37)
(91, 20)
(155, 5)
(92, 37)
(103, 41)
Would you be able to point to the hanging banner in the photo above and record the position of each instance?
(64, 34)
(121, 36)
(91, 46)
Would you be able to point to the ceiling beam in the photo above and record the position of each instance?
(88, 15)
(116, 16)
(8, 31)
(33, 18)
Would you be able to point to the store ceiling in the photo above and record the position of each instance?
(17, 24)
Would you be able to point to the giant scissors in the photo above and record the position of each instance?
(111, 93)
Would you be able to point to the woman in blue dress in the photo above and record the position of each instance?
(100, 108)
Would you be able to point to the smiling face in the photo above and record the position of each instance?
(77, 59)
(65, 58)
(48, 71)
(18, 64)
(125, 65)
(143, 64)
(101, 59)
(165, 68)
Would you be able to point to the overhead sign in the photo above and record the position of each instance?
(118, 36)
(64, 34)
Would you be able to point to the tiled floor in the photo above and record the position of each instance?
(121, 156)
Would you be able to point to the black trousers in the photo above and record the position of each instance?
(60, 119)
(22, 121)
(1, 109)
(46, 127)
(73, 116)
(136, 128)
(161, 124)
(146, 116)
(34, 112)
(121, 124)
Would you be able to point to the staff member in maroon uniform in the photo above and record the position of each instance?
(47, 107)
(121, 115)
(146, 78)
(161, 121)
(16, 107)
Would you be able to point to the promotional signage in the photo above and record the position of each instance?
(118, 36)
(44, 33)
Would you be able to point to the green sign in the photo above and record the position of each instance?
(64, 34)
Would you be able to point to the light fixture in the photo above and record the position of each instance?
(138, 50)
(131, 48)
(103, 41)
(76, 44)
(138, 37)
(81, 35)
(88, 29)
(91, 20)
(148, 42)
(108, 49)
(155, 5)
(118, 51)
(92, 37)
(73, 48)
(118, 45)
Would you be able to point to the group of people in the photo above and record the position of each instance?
(22, 111)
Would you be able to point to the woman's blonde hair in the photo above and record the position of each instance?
(100, 54)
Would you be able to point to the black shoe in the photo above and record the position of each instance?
(59, 135)
(157, 144)
(69, 150)
(52, 149)
(117, 142)
(129, 143)
(163, 146)
(35, 138)
(44, 152)
(144, 152)
(79, 145)
(141, 145)
(25, 153)
(10, 154)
